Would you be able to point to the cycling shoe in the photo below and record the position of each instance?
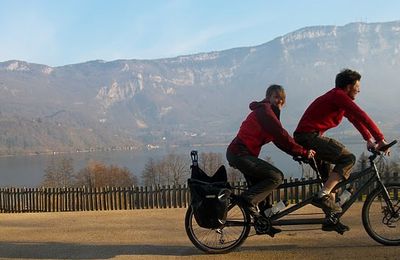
(338, 227)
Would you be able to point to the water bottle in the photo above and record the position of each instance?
(345, 196)
(275, 209)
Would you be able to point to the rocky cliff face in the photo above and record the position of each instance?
(195, 98)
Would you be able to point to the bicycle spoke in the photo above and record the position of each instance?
(222, 239)
(382, 223)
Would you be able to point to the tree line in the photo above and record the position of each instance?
(172, 169)
(59, 172)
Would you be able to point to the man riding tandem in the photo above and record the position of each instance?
(262, 126)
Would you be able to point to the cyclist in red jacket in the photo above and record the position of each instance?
(260, 127)
(326, 112)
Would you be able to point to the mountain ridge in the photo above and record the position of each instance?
(199, 98)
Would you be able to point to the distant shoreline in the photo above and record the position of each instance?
(128, 148)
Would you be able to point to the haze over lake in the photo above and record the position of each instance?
(28, 171)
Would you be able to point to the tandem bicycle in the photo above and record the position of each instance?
(380, 212)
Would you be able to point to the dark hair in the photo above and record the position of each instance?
(346, 77)
(278, 89)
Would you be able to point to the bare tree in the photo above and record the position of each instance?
(307, 171)
(85, 178)
(393, 170)
(210, 162)
(152, 173)
(59, 172)
(362, 162)
(175, 168)
(50, 178)
(234, 175)
(394, 166)
(97, 174)
(383, 166)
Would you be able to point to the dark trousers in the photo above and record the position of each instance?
(262, 177)
(328, 150)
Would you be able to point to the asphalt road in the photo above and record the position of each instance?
(155, 234)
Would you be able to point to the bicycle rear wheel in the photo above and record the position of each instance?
(380, 222)
(221, 240)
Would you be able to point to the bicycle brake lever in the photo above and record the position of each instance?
(383, 148)
(387, 146)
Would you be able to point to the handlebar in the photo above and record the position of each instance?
(312, 162)
(301, 159)
(305, 160)
(382, 149)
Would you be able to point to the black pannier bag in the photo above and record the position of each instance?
(209, 195)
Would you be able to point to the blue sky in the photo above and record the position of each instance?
(61, 32)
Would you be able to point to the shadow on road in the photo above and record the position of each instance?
(28, 250)
(16, 250)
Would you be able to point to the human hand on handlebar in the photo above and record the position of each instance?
(371, 145)
(310, 154)
(380, 145)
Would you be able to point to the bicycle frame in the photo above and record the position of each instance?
(375, 178)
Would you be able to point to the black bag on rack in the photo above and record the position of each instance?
(209, 195)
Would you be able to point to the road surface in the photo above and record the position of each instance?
(159, 233)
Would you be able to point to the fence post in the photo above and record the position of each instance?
(107, 199)
(296, 190)
(141, 204)
(120, 197)
(16, 200)
(146, 198)
(91, 198)
(180, 196)
(151, 196)
(303, 189)
(130, 197)
(185, 195)
(291, 191)
(163, 197)
(46, 199)
(86, 197)
(1, 199)
(136, 197)
(285, 191)
(173, 196)
(159, 196)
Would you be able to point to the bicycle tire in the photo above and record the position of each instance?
(224, 239)
(375, 212)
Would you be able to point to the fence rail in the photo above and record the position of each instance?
(16, 200)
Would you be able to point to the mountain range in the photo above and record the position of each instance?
(193, 99)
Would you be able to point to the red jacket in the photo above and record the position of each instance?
(327, 111)
(260, 127)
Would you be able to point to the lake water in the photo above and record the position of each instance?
(28, 171)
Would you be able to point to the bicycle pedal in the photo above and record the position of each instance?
(261, 225)
(338, 227)
(341, 232)
(272, 231)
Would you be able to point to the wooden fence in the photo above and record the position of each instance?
(14, 200)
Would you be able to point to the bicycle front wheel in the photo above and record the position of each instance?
(221, 240)
(379, 220)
